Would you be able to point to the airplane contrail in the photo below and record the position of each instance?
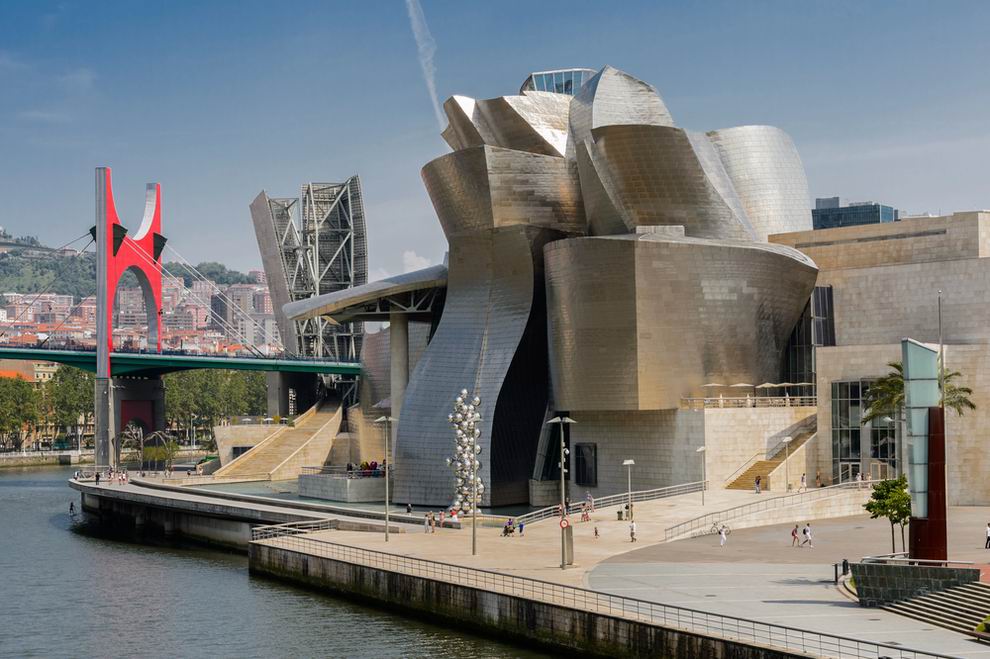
(426, 47)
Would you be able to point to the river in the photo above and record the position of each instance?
(68, 592)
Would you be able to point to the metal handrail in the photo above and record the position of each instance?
(770, 453)
(335, 471)
(901, 558)
(715, 402)
(614, 500)
(705, 521)
(665, 615)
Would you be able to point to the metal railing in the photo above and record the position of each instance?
(335, 471)
(901, 558)
(653, 613)
(748, 401)
(292, 528)
(704, 522)
(613, 500)
(804, 433)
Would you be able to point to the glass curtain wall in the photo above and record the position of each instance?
(856, 446)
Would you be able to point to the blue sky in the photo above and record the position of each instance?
(218, 100)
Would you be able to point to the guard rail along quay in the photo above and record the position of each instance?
(614, 500)
(701, 524)
(553, 613)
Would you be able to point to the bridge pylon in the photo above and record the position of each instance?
(120, 400)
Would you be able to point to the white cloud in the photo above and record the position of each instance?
(413, 261)
(80, 80)
(45, 116)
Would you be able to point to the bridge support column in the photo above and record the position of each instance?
(398, 341)
(104, 417)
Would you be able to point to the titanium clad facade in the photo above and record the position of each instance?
(278, 243)
(498, 209)
(768, 175)
(638, 322)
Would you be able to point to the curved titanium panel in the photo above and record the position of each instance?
(613, 98)
(654, 177)
(488, 187)
(491, 334)
(766, 170)
(637, 322)
(536, 122)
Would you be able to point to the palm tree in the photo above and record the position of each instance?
(886, 395)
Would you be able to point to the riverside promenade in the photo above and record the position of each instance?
(743, 592)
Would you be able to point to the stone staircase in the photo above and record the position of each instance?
(960, 608)
(747, 479)
(282, 455)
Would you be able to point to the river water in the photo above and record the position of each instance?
(68, 592)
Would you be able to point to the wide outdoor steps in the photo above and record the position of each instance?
(261, 461)
(747, 479)
(960, 608)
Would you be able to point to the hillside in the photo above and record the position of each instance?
(25, 271)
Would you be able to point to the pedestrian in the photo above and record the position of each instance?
(590, 500)
(804, 483)
(408, 508)
(807, 536)
(722, 536)
(72, 511)
(757, 482)
(433, 522)
(794, 536)
(987, 546)
(442, 515)
(426, 523)
(859, 479)
(522, 525)
(818, 479)
(596, 531)
(632, 531)
(97, 479)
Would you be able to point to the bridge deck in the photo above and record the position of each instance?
(148, 364)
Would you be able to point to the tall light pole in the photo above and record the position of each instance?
(561, 420)
(628, 464)
(787, 473)
(704, 480)
(385, 420)
(941, 355)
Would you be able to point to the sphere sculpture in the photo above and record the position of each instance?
(465, 421)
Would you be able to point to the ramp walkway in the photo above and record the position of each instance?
(282, 455)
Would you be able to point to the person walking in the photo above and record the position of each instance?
(757, 482)
(433, 522)
(632, 531)
(794, 536)
(807, 537)
(987, 546)
(442, 513)
(408, 508)
(97, 479)
(723, 535)
(522, 525)
(818, 479)
(72, 512)
(804, 483)
(426, 522)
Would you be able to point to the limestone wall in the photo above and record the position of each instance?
(241, 435)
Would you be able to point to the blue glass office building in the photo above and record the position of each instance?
(829, 214)
(563, 81)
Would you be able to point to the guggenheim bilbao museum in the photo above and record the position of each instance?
(658, 286)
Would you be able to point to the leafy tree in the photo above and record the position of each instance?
(70, 392)
(886, 396)
(18, 410)
(890, 499)
(203, 397)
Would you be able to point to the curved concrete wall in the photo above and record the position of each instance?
(637, 322)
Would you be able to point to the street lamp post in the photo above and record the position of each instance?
(787, 473)
(561, 420)
(385, 421)
(704, 479)
(628, 464)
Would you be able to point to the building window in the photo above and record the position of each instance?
(586, 464)
(850, 451)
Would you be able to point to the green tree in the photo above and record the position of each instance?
(70, 392)
(18, 410)
(886, 396)
(890, 499)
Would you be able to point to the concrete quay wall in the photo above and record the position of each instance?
(519, 618)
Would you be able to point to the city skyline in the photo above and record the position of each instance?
(97, 86)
